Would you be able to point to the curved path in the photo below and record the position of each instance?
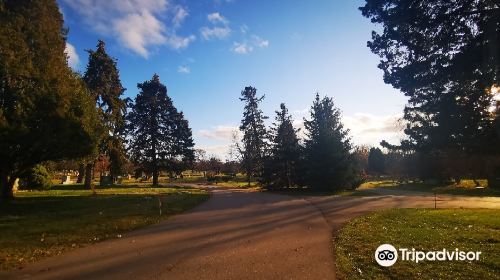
(237, 234)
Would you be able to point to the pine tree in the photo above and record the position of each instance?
(376, 161)
(254, 133)
(45, 111)
(281, 166)
(444, 56)
(103, 81)
(159, 136)
(329, 162)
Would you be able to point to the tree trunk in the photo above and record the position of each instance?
(88, 177)
(6, 185)
(155, 176)
(81, 173)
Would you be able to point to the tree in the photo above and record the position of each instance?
(329, 162)
(45, 111)
(361, 154)
(376, 161)
(254, 133)
(159, 136)
(281, 166)
(103, 81)
(444, 56)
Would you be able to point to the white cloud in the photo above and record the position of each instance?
(217, 18)
(365, 129)
(215, 32)
(139, 25)
(73, 58)
(259, 42)
(220, 132)
(246, 47)
(180, 15)
(184, 69)
(220, 151)
(219, 28)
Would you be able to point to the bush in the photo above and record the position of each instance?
(36, 178)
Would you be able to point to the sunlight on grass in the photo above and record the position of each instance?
(422, 229)
(44, 223)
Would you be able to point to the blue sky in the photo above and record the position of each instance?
(207, 51)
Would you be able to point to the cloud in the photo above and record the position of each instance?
(217, 18)
(246, 47)
(73, 58)
(365, 129)
(184, 69)
(259, 42)
(138, 25)
(215, 32)
(241, 48)
(220, 132)
(220, 151)
(219, 28)
(180, 15)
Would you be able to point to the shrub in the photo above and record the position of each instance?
(36, 178)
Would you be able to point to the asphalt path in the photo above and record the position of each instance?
(236, 234)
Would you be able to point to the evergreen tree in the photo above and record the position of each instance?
(376, 161)
(329, 162)
(45, 111)
(444, 56)
(159, 136)
(281, 166)
(103, 81)
(254, 133)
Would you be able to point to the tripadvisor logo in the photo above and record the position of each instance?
(387, 255)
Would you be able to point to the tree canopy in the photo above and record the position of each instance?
(445, 56)
(254, 133)
(328, 158)
(282, 163)
(159, 136)
(41, 98)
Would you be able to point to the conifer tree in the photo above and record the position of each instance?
(254, 133)
(103, 81)
(329, 162)
(45, 111)
(159, 136)
(281, 166)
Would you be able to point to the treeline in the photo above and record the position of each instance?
(50, 113)
(324, 161)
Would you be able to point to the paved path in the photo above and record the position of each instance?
(235, 235)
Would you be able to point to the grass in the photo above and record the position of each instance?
(422, 229)
(37, 224)
(465, 187)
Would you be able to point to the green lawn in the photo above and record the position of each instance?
(426, 230)
(466, 187)
(37, 224)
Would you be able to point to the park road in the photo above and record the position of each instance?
(234, 235)
(237, 234)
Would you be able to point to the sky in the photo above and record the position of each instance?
(207, 51)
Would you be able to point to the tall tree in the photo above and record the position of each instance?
(103, 81)
(376, 161)
(159, 136)
(45, 111)
(254, 133)
(282, 164)
(329, 161)
(444, 56)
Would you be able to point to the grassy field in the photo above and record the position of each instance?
(37, 224)
(466, 187)
(426, 230)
